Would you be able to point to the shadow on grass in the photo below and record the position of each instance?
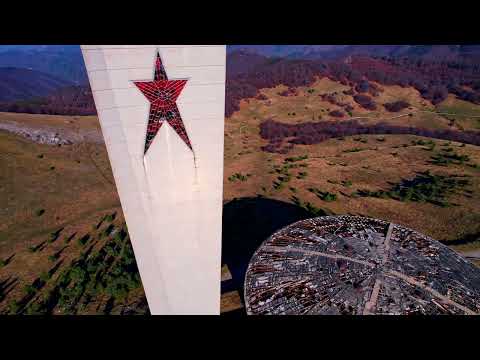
(54, 269)
(36, 286)
(100, 223)
(84, 239)
(7, 286)
(55, 235)
(109, 306)
(139, 307)
(59, 252)
(8, 260)
(87, 252)
(247, 222)
(40, 246)
(70, 238)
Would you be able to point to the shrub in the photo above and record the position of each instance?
(278, 185)
(312, 209)
(14, 307)
(289, 92)
(294, 159)
(108, 230)
(362, 87)
(365, 101)
(353, 150)
(45, 276)
(52, 238)
(238, 176)
(40, 212)
(450, 157)
(323, 195)
(34, 309)
(83, 240)
(425, 187)
(396, 106)
(329, 197)
(336, 113)
(29, 290)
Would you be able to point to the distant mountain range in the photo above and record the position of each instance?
(287, 50)
(29, 72)
(441, 52)
(24, 84)
(61, 61)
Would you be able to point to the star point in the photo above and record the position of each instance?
(162, 94)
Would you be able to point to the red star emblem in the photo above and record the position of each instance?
(162, 94)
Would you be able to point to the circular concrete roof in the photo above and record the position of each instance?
(357, 265)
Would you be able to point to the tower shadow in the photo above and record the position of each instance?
(247, 222)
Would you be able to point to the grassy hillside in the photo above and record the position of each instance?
(307, 105)
(61, 223)
(64, 246)
(343, 166)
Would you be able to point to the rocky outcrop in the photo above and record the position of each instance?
(51, 136)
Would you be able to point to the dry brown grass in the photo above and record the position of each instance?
(230, 301)
(369, 169)
(73, 184)
(310, 107)
(56, 121)
(80, 190)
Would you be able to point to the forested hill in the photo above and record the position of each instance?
(433, 78)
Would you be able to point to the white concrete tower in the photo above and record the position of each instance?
(161, 109)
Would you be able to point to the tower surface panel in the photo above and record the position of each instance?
(166, 153)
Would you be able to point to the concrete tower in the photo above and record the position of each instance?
(161, 109)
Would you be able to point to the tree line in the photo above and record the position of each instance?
(315, 132)
(434, 79)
